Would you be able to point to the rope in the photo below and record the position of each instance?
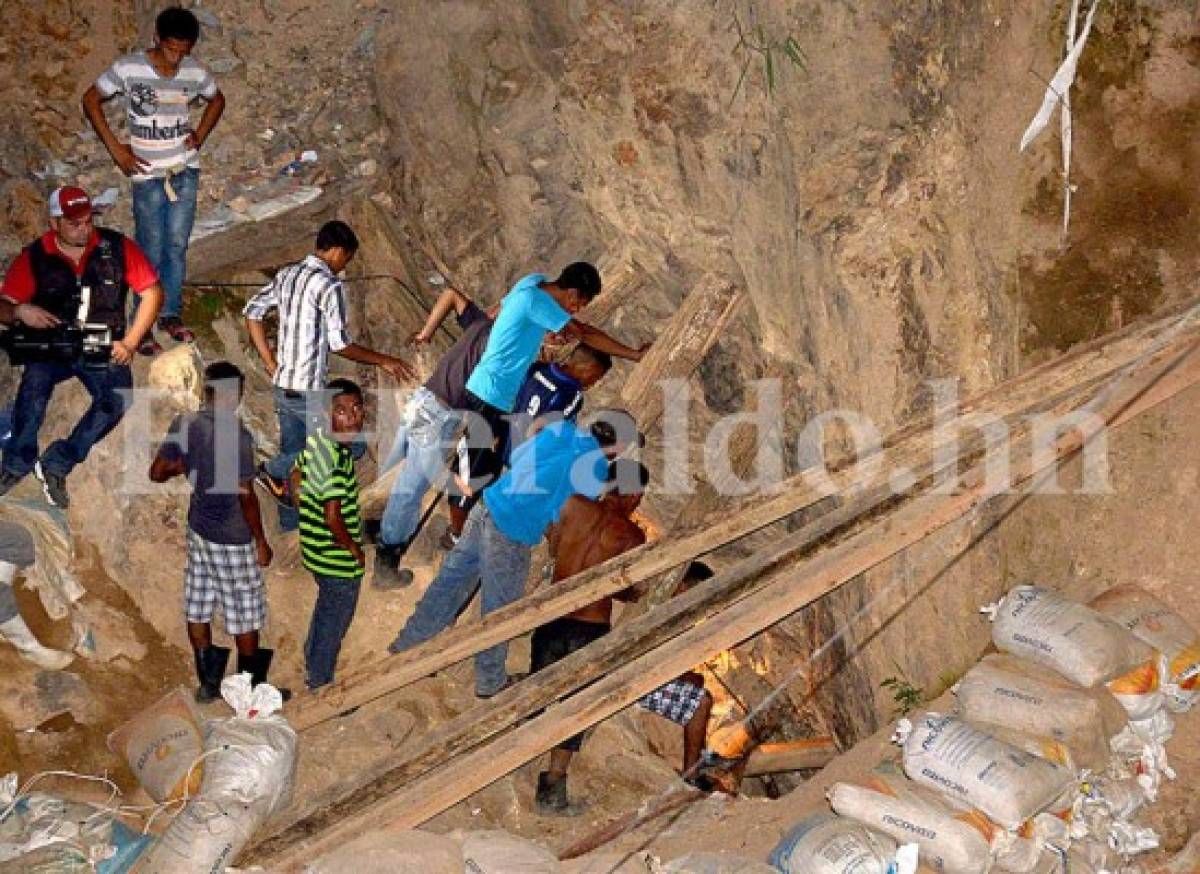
(370, 277)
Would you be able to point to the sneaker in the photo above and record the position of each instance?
(388, 574)
(54, 485)
(149, 346)
(8, 479)
(176, 329)
(276, 488)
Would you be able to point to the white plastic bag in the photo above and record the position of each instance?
(970, 766)
(951, 842)
(1152, 621)
(249, 767)
(826, 844)
(1022, 695)
(1085, 647)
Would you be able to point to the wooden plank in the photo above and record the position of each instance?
(793, 755)
(359, 687)
(680, 347)
(790, 589)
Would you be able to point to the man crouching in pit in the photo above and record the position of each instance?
(589, 533)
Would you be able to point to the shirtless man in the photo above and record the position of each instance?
(587, 534)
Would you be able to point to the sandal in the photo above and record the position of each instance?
(149, 346)
(176, 329)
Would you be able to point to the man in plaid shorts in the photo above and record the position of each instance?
(589, 533)
(226, 546)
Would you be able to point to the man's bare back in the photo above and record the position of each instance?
(587, 534)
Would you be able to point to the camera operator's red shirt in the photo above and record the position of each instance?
(19, 283)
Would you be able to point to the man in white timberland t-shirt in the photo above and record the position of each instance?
(162, 155)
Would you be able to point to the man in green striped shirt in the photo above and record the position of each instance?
(331, 528)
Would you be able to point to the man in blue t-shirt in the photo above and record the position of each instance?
(561, 460)
(550, 391)
(532, 308)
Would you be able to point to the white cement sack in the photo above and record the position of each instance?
(162, 746)
(1022, 695)
(498, 852)
(393, 852)
(826, 844)
(1152, 621)
(249, 769)
(950, 841)
(1082, 645)
(968, 765)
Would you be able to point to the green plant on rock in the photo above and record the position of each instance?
(772, 51)
(905, 695)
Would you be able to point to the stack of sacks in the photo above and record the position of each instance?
(1056, 746)
(1090, 649)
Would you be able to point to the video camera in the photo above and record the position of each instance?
(89, 344)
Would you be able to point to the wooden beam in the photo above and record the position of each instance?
(789, 589)
(792, 755)
(799, 492)
(680, 347)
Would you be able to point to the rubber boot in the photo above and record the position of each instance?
(16, 632)
(257, 666)
(551, 798)
(388, 574)
(210, 670)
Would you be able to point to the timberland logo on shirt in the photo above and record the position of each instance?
(143, 100)
(153, 132)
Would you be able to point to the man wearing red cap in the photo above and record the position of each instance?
(75, 273)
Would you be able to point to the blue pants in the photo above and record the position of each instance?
(162, 229)
(110, 388)
(483, 554)
(300, 413)
(421, 443)
(336, 599)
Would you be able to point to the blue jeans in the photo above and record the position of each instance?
(483, 553)
(421, 442)
(300, 413)
(162, 230)
(110, 388)
(336, 599)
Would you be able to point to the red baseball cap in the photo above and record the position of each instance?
(70, 202)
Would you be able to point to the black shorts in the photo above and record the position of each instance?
(555, 641)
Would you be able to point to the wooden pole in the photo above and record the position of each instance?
(789, 589)
(792, 755)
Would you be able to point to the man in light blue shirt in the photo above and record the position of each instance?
(561, 460)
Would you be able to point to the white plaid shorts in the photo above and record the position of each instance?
(227, 573)
(677, 701)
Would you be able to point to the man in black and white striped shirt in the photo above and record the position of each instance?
(311, 301)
